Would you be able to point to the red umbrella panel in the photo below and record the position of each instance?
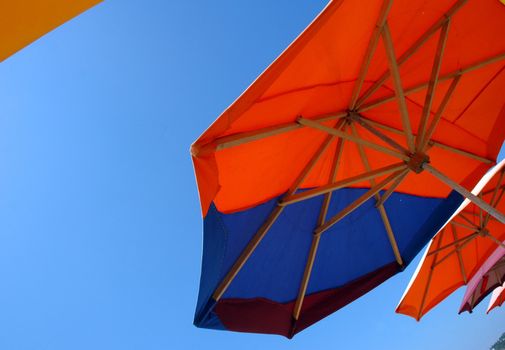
(340, 162)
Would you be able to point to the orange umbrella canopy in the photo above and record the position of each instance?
(458, 251)
(24, 21)
(369, 124)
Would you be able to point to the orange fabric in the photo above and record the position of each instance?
(447, 276)
(24, 21)
(316, 76)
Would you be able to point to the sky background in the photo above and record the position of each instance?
(100, 225)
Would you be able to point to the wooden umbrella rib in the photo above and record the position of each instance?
(460, 258)
(413, 49)
(295, 198)
(254, 242)
(238, 139)
(495, 240)
(316, 238)
(444, 77)
(463, 225)
(430, 276)
(378, 198)
(316, 125)
(358, 202)
(463, 245)
(372, 46)
(432, 85)
(494, 200)
(453, 243)
(440, 111)
(397, 83)
(365, 124)
(392, 188)
(465, 193)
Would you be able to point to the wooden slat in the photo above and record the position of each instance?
(372, 46)
(494, 199)
(316, 125)
(460, 258)
(341, 184)
(421, 86)
(382, 210)
(358, 202)
(440, 111)
(432, 85)
(258, 237)
(413, 49)
(397, 83)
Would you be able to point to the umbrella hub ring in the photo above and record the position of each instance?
(417, 161)
(483, 232)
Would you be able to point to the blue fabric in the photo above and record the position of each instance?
(355, 246)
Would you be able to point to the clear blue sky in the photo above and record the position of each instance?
(100, 227)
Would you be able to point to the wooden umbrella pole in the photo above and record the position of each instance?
(316, 238)
(494, 200)
(432, 85)
(358, 202)
(380, 207)
(439, 112)
(254, 242)
(430, 275)
(397, 83)
(460, 258)
(421, 86)
(465, 193)
(298, 197)
(412, 49)
(372, 46)
(316, 125)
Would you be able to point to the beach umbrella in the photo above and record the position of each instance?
(24, 21)
(489, 277)
(460, 251)
(497, 298)
(340, 162)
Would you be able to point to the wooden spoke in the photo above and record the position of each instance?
(463, 225)
(463, 245)
(316, 238)
(365, 124)
(358, 202)
(372, 46)
(341, 184)
(397, 82)
(444, 77)
(439, 112)
(432, 85)
(413, 49)
(465, 193)
(382, 210)
(460, 258)
(250, 136)
(430, 275)
(454, 243)
(392, 188)
(316, 125)
(494, 200)
(255, 241)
